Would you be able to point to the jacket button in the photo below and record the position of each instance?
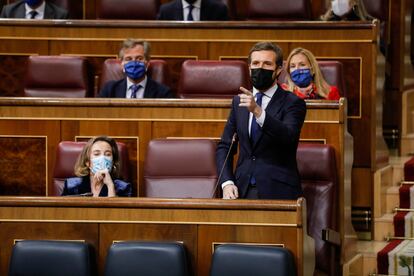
(253, 157)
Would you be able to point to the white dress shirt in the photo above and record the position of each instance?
(268, 94)
(40, 11)
(196, 10)
(140, 92)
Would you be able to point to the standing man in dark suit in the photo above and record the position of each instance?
(33, 9)
(135, 57)
(267, 130)
(193, 10)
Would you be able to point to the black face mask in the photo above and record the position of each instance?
(262, 79)
(190, 1)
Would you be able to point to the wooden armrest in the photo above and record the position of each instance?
(331, 236)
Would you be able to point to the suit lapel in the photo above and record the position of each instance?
(21, 11)
(121, 90)
(276, 102)
(179, 10)
(243, 117)
(273, 108)
(204, 10)
(149, 91)
(49, 12)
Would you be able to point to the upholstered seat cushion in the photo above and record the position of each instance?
(212, 79)
(40, 257)
(279, 10)
(317, 168)
(247, 260)
(180, 168)
(57, 76)
(127, 9)
(146, 258)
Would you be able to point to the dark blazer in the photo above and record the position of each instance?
(272, 159)
(153, 89)
(82, 186)
(17, 10)
(211, 10)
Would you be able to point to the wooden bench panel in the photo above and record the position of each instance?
(197, 223)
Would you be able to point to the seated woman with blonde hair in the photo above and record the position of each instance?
(304, 78)
(346, 10)
(97, 168)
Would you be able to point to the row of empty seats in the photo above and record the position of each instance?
(42, 257)
(173, 168)
(238, 10)
(67, 76)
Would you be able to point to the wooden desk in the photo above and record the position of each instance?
(199, 224)
(30, 130)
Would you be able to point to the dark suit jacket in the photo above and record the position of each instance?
(82, 185)
(272, 159)
(211, 10)
(17, 10)
(153, 89)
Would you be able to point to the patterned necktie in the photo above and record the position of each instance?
(134, 89)
(255, 128)
(33, 14)
(190, 13)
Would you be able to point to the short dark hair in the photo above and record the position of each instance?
(131, 43)
(267, 46)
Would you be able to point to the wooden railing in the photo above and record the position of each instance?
(199, 224)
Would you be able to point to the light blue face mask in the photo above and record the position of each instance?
(101, 163)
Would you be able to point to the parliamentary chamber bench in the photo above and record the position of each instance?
(353, 44)
(35, 126)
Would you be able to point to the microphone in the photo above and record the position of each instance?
(233, 139)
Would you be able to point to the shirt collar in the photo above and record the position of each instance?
(268, 93)
(40, 9)
(143, 83)
(197, 4)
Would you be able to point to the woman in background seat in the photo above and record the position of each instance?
(346, 10)
(304, 77)
(97, 168)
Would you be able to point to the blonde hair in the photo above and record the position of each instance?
(82, 169)
(322, 87)
(356, 5)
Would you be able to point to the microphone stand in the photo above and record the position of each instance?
(233, 139)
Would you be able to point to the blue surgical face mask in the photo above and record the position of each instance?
(135, 69)
(33, 3)
(100, 163)
(302, 77)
